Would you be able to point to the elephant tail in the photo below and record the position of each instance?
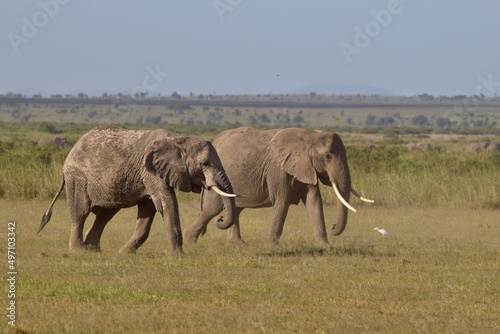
(48, 214)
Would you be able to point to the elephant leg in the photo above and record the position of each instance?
(314, 205)
(280, 211)
(79, 209)
(233, 233)
(170, 214)
(145, 214)
(93, 237)
(212, 206)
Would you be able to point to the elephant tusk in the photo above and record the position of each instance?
(358, 195)
(220, 192)
(341, 198)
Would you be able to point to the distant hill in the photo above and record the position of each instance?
(337, 89)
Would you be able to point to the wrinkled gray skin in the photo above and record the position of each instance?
(110, 168)
(277, 168)
(58, 141)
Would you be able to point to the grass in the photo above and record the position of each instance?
(437, 271)
(444, 176)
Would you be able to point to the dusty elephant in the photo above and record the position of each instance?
(418, 146)
(277, 168)
(58, 141)
(493, 147)
(484, 146)
(477, 146)
(111, 168)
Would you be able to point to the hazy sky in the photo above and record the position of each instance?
(445, 47)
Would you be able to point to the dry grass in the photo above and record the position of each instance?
(437, 271)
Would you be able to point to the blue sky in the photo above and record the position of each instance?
(248, 46)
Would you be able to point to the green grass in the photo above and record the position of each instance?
(444, 176)
(437, 271)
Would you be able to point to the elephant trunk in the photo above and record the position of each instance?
(342, 212)
(341, 183)
(225, 190)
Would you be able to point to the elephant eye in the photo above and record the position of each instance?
(205, 164)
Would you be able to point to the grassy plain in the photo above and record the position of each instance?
(437, 271)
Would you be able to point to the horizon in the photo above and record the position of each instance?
(237, 47)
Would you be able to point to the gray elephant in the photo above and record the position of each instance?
(111, 168)
(477, 146)
(484, 146)
(493, 147)
(420, 146)
(277, 168)
(60, 142)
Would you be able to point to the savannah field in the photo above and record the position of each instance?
(437, 271)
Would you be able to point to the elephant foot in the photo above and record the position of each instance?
(191, 235)
(236, 241)
(322, 241)
(92, 247)
(77, 248)
(128, 250)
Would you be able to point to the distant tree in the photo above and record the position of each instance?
(298, 119)
(263, 118)
(153, 120)
(48, 127)
(385, 121)
(419, 120)
(443, 122)
(253, 120)
(370, 120)
(426, 97)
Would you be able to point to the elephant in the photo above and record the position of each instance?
(277, 168)
(493, 147)
(57, 141)
(111, 168)
(420, 146)
(484, 146)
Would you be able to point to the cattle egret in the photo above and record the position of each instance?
(381, 231)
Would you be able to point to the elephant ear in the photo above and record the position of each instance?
(289, 148)
(163, 158)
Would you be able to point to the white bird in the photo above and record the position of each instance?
(381, 231)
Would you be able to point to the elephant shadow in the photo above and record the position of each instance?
(337, 251)
(318, 251)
